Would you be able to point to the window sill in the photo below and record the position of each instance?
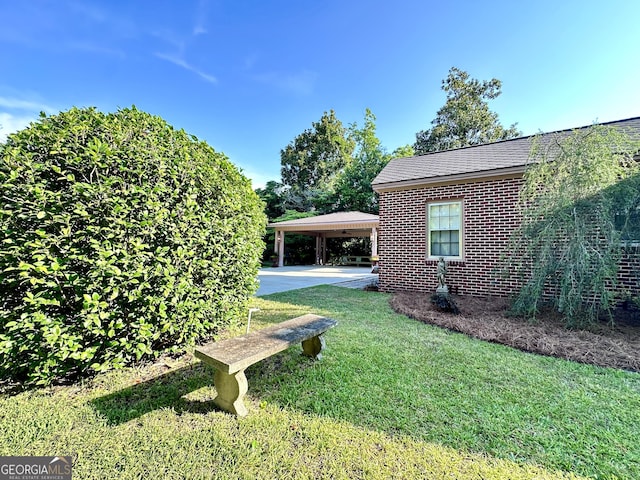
(448, 260)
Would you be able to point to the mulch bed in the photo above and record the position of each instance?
(487, 319)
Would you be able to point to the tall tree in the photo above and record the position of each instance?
(311, 161)
(353, 186)
(403, 152)
(271, 195)
(465, 118)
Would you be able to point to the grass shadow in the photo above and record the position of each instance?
(169, 390)
(174, 389)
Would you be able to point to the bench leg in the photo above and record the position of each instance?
(313, 347)
(231, 388)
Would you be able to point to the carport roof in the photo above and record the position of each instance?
(331, 221)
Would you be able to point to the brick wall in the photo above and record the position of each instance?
(629, 273)
(489, 218)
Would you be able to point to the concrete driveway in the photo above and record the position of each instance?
(281, 279)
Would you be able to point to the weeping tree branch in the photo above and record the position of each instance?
(567, 250)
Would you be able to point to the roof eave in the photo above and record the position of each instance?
(324, 225)
(454, 178)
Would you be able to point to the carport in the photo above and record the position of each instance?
(332, 225)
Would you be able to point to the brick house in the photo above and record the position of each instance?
(459, 204)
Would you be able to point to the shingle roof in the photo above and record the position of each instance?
(474, 161)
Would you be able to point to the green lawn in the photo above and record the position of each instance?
(392, 398)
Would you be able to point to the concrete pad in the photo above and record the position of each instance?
(281, 279)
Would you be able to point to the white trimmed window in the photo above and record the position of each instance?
(444, 229)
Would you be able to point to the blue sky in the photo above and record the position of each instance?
(248, 76)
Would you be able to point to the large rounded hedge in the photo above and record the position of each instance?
(121, 237)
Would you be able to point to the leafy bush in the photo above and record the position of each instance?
(120, 238)
(445, 303)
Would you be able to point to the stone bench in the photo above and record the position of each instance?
(231, 357)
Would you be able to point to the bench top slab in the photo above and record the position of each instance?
(235, 354)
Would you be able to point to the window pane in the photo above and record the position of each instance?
(444, 229)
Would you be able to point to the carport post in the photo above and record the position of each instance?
(374, 242)
(324, 248)
(319, 249)
(280, 243)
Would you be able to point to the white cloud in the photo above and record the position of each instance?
(35, 24)
(18, 110)
(187, 66)
(180, 42)
(89, 12)
(19, 104)
(176, 41)
(201, 18)
(258, 180)
(12, 123)
(199, 30)
(301, 83)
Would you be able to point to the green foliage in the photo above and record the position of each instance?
(329, 168)
(577, 190)
(353, 185)
(311, 161)
(465, 118)
(120, 237)
(271, 195)
(445, 303)
(404, 151)
(339, 247)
